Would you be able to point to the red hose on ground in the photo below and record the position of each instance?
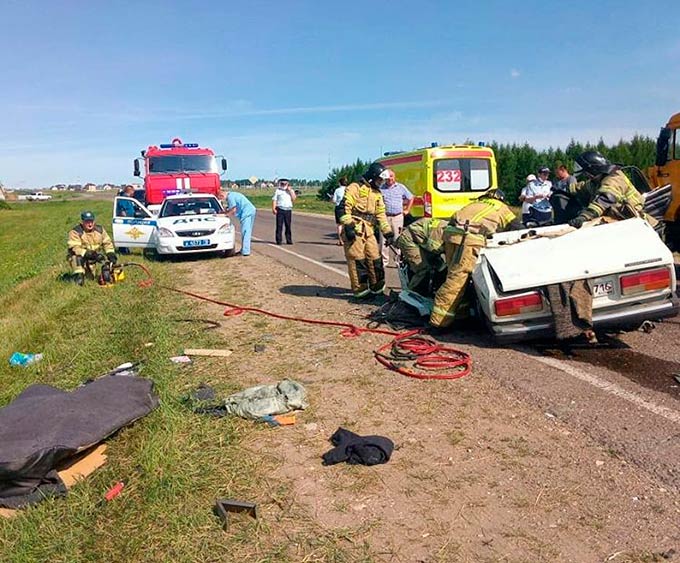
(407, 347)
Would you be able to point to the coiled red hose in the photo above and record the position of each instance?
(408, 347)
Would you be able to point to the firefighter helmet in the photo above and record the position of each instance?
(375, 174)
(493, 193)
(87, 216)
(592, 163)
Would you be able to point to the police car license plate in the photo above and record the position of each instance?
(603, 288)
(199, 242)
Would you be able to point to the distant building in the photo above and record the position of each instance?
(90, 188)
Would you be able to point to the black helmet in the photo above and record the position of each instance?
(592, 163)
(493, 193)
(87, 216)
(375, 174)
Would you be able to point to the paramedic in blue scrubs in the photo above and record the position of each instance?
(239, 205)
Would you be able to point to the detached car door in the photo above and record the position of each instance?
(133, 224)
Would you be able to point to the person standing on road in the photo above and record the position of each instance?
(364, 210)
(398, 202)
(464, 237)
(241, 207)
(338, 200)
(282, 207)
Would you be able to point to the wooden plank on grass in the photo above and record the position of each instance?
(207, 352)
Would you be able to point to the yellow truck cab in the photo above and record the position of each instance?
(667, 171)
(443, 179)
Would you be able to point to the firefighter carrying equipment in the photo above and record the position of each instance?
(464, 238)
(364, 210)
(612, 195)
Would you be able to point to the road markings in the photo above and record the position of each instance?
(307, 258)
(612, 388)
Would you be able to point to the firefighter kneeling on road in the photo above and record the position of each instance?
(364, 209)
(87, 244)
(464, 237)
(422, 248)
(607, 192)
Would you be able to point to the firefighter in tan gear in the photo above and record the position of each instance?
(364, 210)
(87, 245)
(422, 248)
(607, 192)
(464, 237)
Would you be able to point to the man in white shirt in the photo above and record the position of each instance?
(338, 200)
(537, 191)
(282, 207)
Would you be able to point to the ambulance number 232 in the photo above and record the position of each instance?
(448, 176)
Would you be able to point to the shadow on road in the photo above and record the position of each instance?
(317, 291)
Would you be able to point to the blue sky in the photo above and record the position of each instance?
(281, 88)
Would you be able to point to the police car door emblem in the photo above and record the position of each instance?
(135, 233)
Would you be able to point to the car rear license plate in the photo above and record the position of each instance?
(603, 288)
(200, 242)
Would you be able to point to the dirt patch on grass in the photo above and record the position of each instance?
(477, 474)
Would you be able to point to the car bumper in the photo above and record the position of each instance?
(175, 245)
(607, 319)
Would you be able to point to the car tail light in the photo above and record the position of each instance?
(648, 280)
(427, 204)
(527, 303)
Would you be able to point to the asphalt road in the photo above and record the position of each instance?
(621, 393)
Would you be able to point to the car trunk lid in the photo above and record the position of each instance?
(590, 252)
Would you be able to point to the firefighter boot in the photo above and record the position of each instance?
(376, 276)
(357, 278)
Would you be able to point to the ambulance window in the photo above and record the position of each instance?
(676, 136)
(462, 174)
(480, 174)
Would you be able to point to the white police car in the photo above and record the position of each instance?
(184, 224)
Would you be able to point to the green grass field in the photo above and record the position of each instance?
(306, 201)
(174, 463)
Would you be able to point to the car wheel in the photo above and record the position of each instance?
(228, 253)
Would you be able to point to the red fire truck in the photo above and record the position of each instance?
(176, 168)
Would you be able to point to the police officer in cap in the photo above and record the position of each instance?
(364, 210)
(87, 245)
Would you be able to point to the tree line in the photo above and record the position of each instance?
(516, 161)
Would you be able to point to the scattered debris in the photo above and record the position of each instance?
(180, 360)
(355, 449)
(676, 376)
(647, 327)
(207, 352)
(260, 347)
(279, 419)
(114, 491)
(599, 463)
(224, 507)
(20, 359)
(253, 403)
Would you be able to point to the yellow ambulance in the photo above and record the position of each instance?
(444, 179)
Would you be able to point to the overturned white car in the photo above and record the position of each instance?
(629, 271)
(185, 223)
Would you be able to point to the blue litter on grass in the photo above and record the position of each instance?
(19, 359)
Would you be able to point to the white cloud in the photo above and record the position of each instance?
(514, 73)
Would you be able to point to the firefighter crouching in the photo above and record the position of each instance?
(422, 248)
(607, 191)
(87, 244)
(364, 210)
(464, 237)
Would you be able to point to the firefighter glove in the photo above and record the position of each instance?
(389, 238)
(91, 256)
(350, 232)
(577, 222)
(112, 257)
